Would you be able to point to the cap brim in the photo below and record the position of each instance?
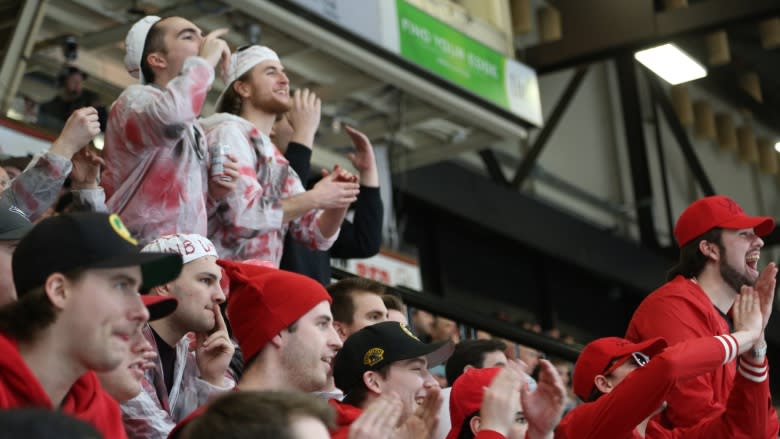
(16, 234)
(156, 268)
(763, 225)
(434, 353)
(159, 306)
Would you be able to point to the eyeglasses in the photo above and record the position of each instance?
(638, 358)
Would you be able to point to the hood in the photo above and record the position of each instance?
(215, 120)
(21, 387)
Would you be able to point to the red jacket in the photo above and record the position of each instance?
(678, 311)
(86, 400)
(616, 414)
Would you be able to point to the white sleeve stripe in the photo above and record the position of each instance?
(751, 377)
(734, 346)
(727, 347)
(756, 370)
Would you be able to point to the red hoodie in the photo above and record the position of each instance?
(86, 400)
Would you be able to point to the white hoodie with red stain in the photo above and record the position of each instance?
(249, 224)
(156, 155)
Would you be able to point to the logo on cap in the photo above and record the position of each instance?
(17, 211)
(373, 356)
(408, 332)
(120, 229)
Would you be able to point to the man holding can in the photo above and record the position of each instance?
(156, 175)
(269, 199)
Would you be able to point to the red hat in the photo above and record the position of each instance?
(466, 396)
(717, 211)
(263, 301)
(159, 306)
(597, 355)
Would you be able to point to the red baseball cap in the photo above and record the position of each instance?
(263, 301)
(597, 355)
(159, 306)
(466, 396)
(717, 211)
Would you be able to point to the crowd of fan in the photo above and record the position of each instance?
(237, 330)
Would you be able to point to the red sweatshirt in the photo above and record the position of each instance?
(616, 414)
(678, 311)
(86, 400)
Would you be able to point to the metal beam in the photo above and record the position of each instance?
(594, 33)
(19, 48)
(464, 314)
(529, 160)
(637, 149)
(493, 166)
(522, 218)
(190, 10)
(431, 154)
(679, 134)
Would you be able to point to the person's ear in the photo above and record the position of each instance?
(340, 330)
(372, 381)
(467, 367)
(242, 89)
(709, 249)
(603, 384)
(163, 290)
(56, 288)
(474, 424)
(276, 341)
(156, 60)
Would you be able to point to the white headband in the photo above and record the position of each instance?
(242, 61)
(134, 45)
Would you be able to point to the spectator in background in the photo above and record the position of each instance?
(156, 176)
(357, 303)
(468, 354)
(270, 200)
(125, 381)
(13, 165)
(564, 369)
(183, 378)
(719, 251)
(625, 385)
(359, 237)
(387, 359)
(283, 324)
(37, 188)
(422, 324)
(13, 226)
(262, 415)
(444, 329)
(78, 278)
(72, 96)
(396, 309)
(495, 403)
(5, 180)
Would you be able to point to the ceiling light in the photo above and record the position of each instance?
(671, 64)
(777, 146)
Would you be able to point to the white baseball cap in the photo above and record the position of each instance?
(189, 246)
(134, 45)
(242, 60)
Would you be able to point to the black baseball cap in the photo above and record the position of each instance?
(63, 243)
(13, 222)
(376, 346)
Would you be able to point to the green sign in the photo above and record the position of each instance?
(468, 63)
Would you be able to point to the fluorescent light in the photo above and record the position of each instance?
(777, 146)
(671, 64)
